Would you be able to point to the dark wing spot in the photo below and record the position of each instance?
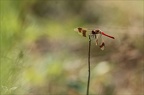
(102, 45)
(80, 30)
(84, 33)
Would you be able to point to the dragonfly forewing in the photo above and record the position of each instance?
(83, 31)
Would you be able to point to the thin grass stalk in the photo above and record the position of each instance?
(88, 83)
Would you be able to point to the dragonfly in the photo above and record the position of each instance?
(95, 34)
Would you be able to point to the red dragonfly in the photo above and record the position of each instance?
(95, 34)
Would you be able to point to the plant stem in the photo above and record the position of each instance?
(89, 66)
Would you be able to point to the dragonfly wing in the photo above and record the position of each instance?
(102, 46)
(96, 40)
(82, 31)
(100, 41)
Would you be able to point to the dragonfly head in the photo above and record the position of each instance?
(96, 31)
(93, 32)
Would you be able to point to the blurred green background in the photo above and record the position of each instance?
(40, 54)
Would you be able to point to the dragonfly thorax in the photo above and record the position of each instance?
(96, 31)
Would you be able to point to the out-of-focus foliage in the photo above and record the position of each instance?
(41, 54)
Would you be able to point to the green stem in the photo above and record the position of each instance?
(89, 66)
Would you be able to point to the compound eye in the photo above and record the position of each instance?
(93, 32)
